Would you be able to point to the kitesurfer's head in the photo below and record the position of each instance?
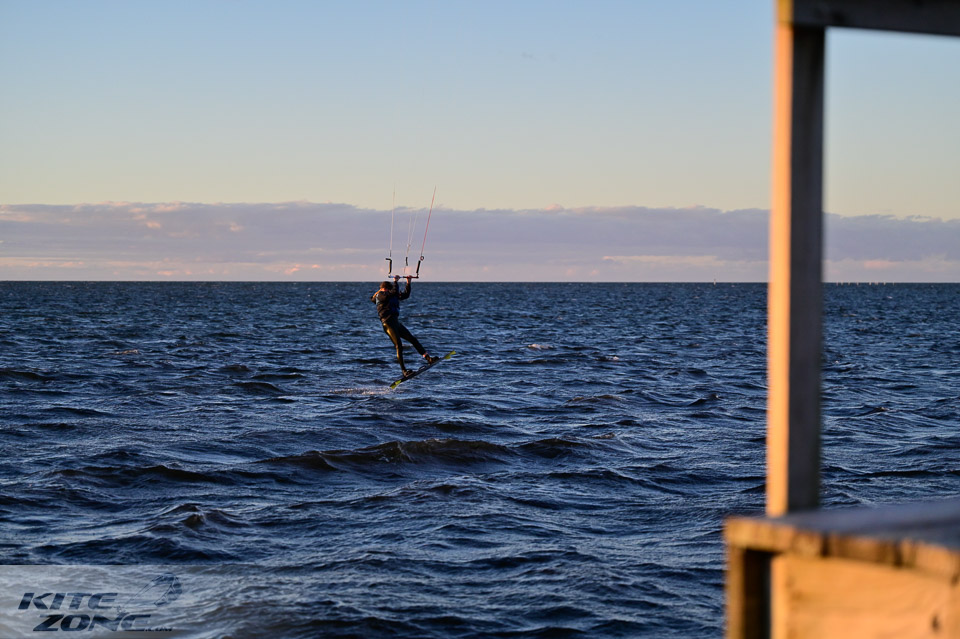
(386, 285)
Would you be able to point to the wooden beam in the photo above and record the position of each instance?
(794, 293)
(939, 17)
(923, 537)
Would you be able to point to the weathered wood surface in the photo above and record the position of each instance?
(824, 598)
(938, 17)
(888, 572)
(923, 536)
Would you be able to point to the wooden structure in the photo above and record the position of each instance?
(882, 572)
(771, 561)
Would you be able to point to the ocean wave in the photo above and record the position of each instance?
(50, 425)
(311, 460)
(430, 452)
(554, 447)
(611, 476)
(424, 452)
(605, 398)
(124, 475)
(24, 375)
(76, 411)
(525, 559)
(278, 376)
(138, 548)
(709, 399)
(235, 369)
(195, 517)
(259, 388)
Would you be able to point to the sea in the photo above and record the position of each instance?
(566, 473)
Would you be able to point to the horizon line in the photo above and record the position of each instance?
(358, 281)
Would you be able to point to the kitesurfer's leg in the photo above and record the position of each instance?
(407, 335)
(390, 329)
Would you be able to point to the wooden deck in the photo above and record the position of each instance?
(852, 573)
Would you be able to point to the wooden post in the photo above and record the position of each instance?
(773, 575)
(748, 593)
(794, 293)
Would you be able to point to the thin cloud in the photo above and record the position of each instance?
(303, 241)
(884, 237)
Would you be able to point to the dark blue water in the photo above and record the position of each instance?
(566, 474)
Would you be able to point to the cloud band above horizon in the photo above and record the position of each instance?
(301, 241)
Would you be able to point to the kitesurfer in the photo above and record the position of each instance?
(388, 308)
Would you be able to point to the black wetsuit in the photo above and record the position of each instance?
(388, 308)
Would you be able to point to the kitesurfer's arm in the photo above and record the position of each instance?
(406, 291)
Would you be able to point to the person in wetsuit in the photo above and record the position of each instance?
(388, 308)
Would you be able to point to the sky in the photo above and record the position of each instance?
(623, 140)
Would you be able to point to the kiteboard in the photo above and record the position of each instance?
(423, 368)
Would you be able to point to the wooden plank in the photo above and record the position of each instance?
(939, 17)
(827, 598)
(794, 293)
(932, 558)
(924, 519)
(757, 533)
(951, 626)
(925, 514)
(773, 536)
(922, 536)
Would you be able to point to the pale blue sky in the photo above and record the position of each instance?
(514, 105)
(507, 104)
